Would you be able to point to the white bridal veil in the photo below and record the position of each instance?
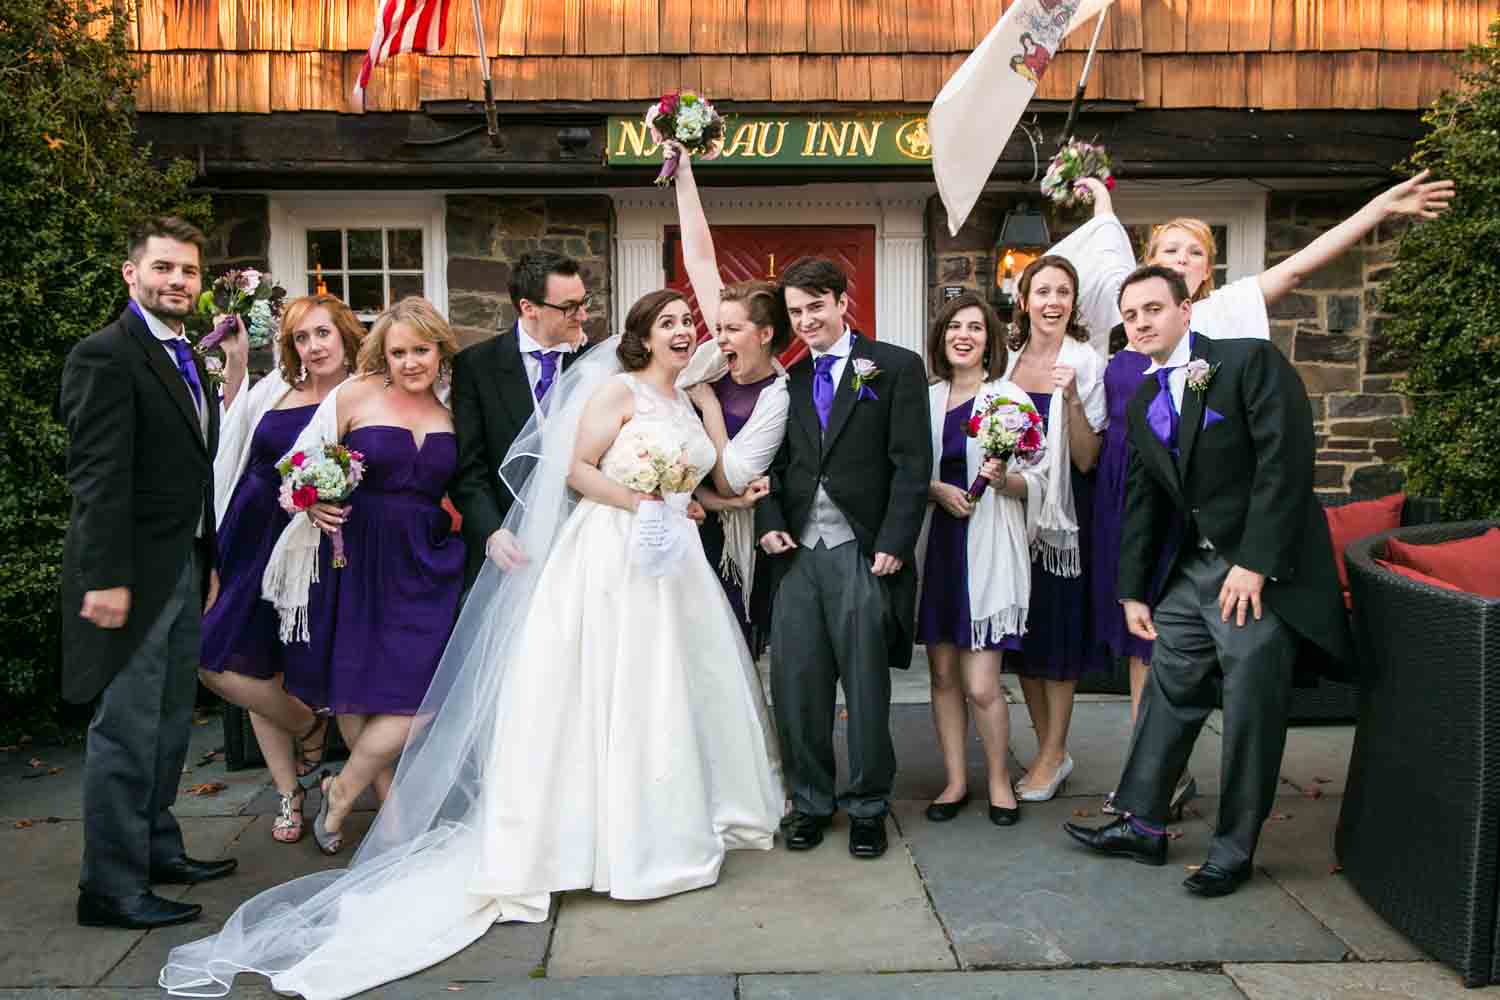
(328, 935)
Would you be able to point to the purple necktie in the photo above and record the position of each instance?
(185, 365)
(1161, 415)
(823, 387)
(548, 361)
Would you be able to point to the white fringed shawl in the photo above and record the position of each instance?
(237, 425)
(999, 530)
(1055, 538)
(293, 567)
(747, 455)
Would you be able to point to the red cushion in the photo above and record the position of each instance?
(1470, 564)
(1360, 520)
(1416, 575)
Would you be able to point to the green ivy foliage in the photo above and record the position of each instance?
(1444, 292)
(72, 181)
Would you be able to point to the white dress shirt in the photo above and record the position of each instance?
(841, 349)
(1177, 381)
(533, 366)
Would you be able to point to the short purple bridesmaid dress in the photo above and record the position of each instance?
(398, 596)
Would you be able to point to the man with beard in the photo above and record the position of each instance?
(143, 424)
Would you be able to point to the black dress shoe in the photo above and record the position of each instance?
(1001, 816)
(942, 812)
(143, 912)
(804, 831)
(1211, 880)
(1121, 838)
(190, 871)
(867, 836)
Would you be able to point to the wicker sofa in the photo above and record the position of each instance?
(1419, 829)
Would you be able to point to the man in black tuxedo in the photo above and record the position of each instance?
(1222, 457)
(848, 492)
(499, 384)
(143, 424)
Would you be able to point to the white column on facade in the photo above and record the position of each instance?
(901, 279)
(639, 217)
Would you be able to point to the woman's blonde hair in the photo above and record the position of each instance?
(351, 332)
(417, 313)
(1198, 230)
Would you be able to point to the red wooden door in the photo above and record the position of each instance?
(748, 253)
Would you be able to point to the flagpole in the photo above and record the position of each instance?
(491, 125)
(1083, 80)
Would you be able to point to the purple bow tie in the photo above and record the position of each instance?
(548, 361)
(1162, 416)
(823, 387)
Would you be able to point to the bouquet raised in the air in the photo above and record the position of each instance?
(327, 474)
(686, 118)
(657, 470)
(244, 294)
(1075, 161)
(1006, 430)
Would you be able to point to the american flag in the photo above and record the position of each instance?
(404, 26)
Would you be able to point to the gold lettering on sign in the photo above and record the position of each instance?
(765, 132)
(827, 141)
(743, 143)
(807, 139)
(864, 135)
(635, 140)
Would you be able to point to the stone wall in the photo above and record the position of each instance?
(1331, 329)
(487, 233)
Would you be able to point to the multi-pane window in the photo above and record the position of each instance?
(369, 268)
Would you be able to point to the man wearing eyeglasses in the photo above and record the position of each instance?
(500, 383)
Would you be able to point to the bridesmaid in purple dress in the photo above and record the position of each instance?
(748, 320)
(397, 599)
(242, 657)
(967, 357)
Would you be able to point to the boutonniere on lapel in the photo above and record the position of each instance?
(1199, 374)
(213, 367)
(865, 372)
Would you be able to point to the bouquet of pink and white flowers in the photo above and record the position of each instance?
(1006, 430)
(686, 118)
(326, 475)
(1075, 161)
(245, 294)
(657, 470)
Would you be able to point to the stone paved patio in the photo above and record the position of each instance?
(961, 910)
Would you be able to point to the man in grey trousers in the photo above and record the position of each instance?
(848, 492)
(143, 423)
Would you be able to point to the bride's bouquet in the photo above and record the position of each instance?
(247, 294)
(326, 475)
(655, 470)
(686, 118)
(1006, 430)
(1075, 161)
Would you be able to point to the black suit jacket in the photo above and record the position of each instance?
(875, 461)
(141, 473)
(1245, 484)
(492, 401)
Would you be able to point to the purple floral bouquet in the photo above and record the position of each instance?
(686, 118)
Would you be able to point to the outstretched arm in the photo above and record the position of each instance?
(1416, 197)
(1101, 251)
(697, 244)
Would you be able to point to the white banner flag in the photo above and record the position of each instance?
(978, 108)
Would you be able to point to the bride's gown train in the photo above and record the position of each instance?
(630, 749)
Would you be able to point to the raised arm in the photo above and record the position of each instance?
(1417, 197)
(697, 244)
(1100, 250)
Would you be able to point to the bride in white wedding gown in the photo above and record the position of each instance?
(594, 725)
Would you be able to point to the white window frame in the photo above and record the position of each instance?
(292, 215)
(1236, 205)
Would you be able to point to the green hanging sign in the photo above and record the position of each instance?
(790, 140)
